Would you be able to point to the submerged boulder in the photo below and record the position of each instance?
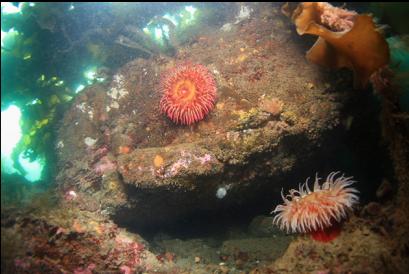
(123, 157)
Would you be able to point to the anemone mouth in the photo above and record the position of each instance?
(184, 92)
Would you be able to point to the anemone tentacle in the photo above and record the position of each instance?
(307, 211)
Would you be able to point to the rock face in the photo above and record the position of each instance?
(66, 240)
(125, 158)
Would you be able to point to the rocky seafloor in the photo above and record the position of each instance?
(125, 168)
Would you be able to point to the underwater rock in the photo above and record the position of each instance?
(61, 240)
(144, 170)
(356, 250)
(346, 39)
(384, 190)
(372, 209)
